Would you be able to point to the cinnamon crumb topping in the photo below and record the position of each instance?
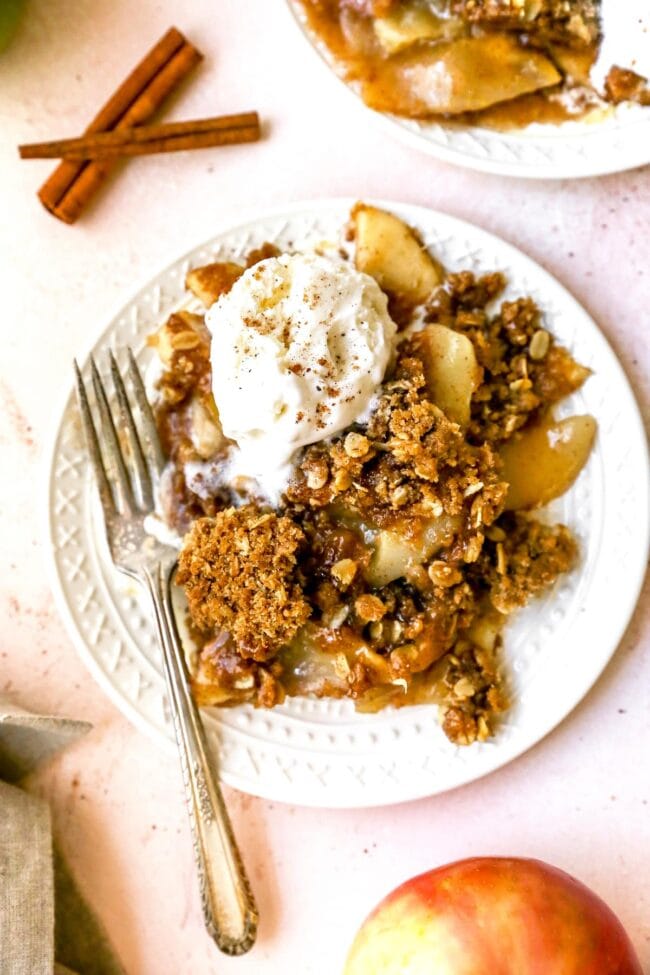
(525, 372)
(239, 573)
(527, 561)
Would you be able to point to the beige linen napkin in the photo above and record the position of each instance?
(42, 914)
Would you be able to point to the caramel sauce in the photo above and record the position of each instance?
(518, 113)
(328, 23)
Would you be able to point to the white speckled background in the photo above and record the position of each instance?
(581, 798)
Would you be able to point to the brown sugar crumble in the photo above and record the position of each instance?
(389, 568)
(525, 372)
(528, 560)
(239, 574)
(573, 23)
(623, 85)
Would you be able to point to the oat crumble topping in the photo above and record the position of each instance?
(239, 574)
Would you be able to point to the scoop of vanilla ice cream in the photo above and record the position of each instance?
(625, 43)
(299, 346)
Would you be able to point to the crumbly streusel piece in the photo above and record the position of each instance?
(411, 462)
(622, 85)
(183, 344)
(210, 281)
(238, 570)
(524, 370)
(527, 560)
(571, 22)
(475, 695)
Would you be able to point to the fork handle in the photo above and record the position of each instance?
(228, 905)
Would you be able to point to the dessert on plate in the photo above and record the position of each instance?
(497, 63)
(357, 441)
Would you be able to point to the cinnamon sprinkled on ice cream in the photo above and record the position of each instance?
(300, 345)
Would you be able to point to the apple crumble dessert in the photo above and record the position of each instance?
(355, 445)
(496, 63)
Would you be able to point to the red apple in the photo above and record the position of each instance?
(492, 916)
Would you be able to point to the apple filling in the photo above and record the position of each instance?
(497, 63)
(400, 545)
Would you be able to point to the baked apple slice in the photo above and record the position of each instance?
(542, 462)
(574, 64)
(313, 665)
(395, 553)
(412, 22)
(388, 250)
(465, 75)
(450, 369)
(206, 432)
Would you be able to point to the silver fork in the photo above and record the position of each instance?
(127, 464)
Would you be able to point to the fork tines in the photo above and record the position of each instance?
(126, 461)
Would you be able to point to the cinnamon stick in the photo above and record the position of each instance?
(179, 143)
(71, 186)
(148, 139)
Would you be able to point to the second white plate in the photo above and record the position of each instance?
(619, 141)
(322, 752)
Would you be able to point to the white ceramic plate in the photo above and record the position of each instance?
(321, 752)
(618, 141)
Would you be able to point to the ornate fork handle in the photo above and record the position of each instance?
(228, 905)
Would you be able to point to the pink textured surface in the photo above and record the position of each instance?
(581, 799)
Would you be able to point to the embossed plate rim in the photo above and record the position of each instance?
(314, 756)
